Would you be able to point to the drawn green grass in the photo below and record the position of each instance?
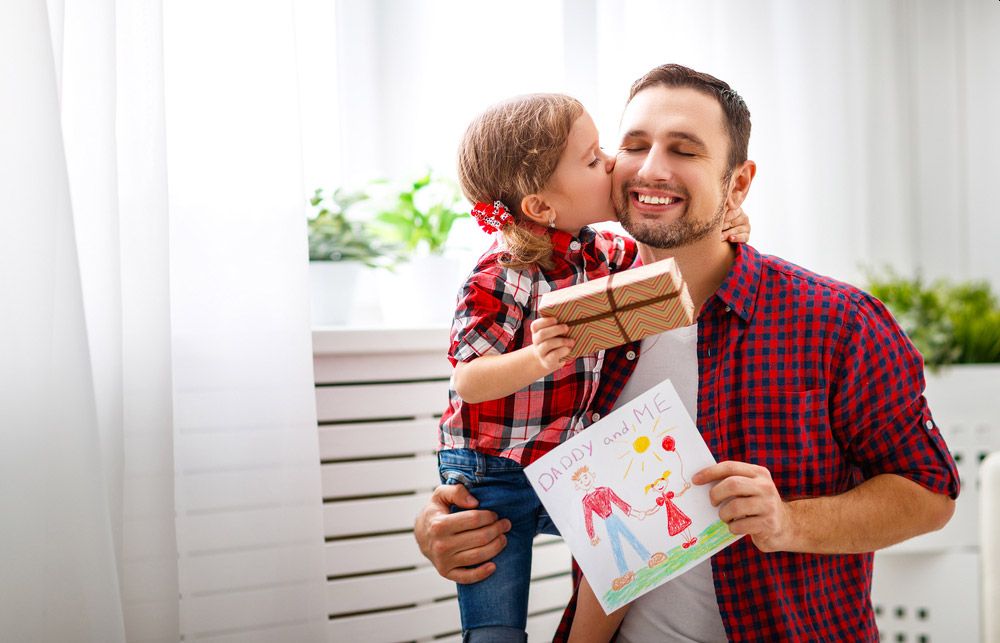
(715, 536)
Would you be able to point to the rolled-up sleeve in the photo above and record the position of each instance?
(878, 407)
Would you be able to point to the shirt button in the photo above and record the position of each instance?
(595, 417)
(630, 355)
(729, 309)
(574, 245)
(929, 424)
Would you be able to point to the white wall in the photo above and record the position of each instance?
(873, 125)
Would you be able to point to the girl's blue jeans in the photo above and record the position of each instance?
(496, 608)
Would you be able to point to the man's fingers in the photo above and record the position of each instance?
(447, 495)
(726, 469)
(749, 525)
(449, 537)
(740, 509)
(479, 555)
(475, 527)
(734, 487)
(467, 576)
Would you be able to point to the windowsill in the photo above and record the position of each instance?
(378, 339)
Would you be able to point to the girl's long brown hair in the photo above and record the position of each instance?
(510, 151)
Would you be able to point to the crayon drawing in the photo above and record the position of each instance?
(620, 494)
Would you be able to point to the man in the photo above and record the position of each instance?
(803, 387)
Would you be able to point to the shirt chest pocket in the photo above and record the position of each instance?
(789, 433)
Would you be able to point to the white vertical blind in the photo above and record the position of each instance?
(249, 519)
(150, 585)
(157, 408)
(58, 579)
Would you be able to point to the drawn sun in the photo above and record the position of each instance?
(638, 449)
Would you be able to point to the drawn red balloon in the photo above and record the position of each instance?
(669, 443)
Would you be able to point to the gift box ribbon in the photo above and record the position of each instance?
(624, 309)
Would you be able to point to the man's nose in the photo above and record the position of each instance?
(656, 166)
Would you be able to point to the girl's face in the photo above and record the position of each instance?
(580, 188)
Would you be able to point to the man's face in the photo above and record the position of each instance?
(584, 481)
(670, 180)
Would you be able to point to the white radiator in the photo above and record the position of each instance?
(378, 396)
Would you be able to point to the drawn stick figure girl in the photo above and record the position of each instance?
(677, 521)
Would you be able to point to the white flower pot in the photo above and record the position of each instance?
(421, 292)
(332, 286)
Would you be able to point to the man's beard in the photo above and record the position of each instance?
(663, 235)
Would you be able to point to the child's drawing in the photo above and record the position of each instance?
(644, 453)
(677, 521)
(598, 501)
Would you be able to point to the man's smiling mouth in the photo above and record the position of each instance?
(656, 200)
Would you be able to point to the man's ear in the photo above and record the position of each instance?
(739, 184)
(536, 208)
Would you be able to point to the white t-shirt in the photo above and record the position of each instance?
(685, 609)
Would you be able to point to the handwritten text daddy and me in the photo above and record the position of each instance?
(584, 449)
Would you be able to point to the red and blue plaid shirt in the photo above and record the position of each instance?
(496, 306)
(814, 380)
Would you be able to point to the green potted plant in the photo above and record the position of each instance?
(418, 218)
(335, 236)
(949, 323)
(339, 246)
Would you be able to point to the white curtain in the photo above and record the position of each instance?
(873, 120)
(159, 471)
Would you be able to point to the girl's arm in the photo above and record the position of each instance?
(492, 377)
(590, 623)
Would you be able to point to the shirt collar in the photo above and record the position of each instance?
(739, 289)
(561, 240)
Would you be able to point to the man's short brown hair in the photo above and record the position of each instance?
(736, 113)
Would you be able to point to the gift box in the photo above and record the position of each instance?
(622, 307)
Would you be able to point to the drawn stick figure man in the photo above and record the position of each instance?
(601, 501)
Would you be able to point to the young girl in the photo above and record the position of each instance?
(538, 177)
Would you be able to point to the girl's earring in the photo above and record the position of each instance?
(552, 221)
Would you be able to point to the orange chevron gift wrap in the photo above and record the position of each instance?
(623, 307)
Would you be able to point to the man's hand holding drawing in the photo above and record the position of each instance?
(881, 511)
(749, 503)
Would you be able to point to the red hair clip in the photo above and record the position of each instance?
(491, 216)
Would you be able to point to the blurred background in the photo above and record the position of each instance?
(872, 121)
(169, 168)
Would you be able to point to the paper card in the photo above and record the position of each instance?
(620, 493)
